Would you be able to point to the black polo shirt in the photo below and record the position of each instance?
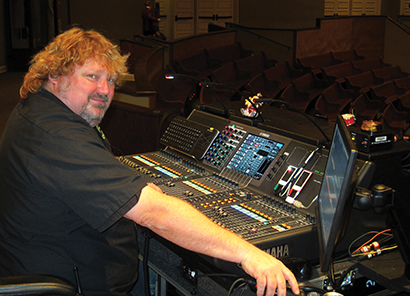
(62, 198)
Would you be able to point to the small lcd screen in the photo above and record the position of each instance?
(254, 156)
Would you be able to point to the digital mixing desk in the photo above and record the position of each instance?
(258, 184)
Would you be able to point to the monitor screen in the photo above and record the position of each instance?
(254, 156)
(336, 192)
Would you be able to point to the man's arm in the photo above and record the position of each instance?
(182, 224)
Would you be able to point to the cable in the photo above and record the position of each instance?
(246, 282)
(331, 274)
(389, 236)
(242, 94)
(233, 285)
(242, 286)
(375, 252)
(147, 237)
(295, 109)
(299, 204)
(208, 84)
(371, 240)
(339, 283)
(218, 274)
(310, 289)
(77, 281)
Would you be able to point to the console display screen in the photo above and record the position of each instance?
(254, 156)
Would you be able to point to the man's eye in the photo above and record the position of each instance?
(92, 76)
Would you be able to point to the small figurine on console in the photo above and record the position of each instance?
(251, 106)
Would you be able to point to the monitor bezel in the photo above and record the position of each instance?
(344, 205)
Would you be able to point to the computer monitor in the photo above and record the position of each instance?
(336, 193)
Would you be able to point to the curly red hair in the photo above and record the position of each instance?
(73, 47)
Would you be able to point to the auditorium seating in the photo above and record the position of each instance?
(262, 84)
(240, 71)
(306, 84)
(297, 98)
(370, 63)
(199, 65)
(255, 63)
(390, 73)
(386, 92)
(347, 55)
(333, 101)
(216, 95)
(364, 109)
(328, 84)
(231, 74)
(272, 81)
(361, 83)
(403, 82)
(228, 53)
(403, 103)
(338, 73)
(283, 73)
(316, 62)
(393, 119)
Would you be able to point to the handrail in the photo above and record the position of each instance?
(258, 35)
(154, 40)
(403, 25)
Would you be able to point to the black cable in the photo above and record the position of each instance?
(147, 289)
(233, 286)
(342, 277)
(331, 274)
(226, 111)
(251, 282)
(77, 281)
(268, 100)
(242, 287)
(201, 83)
(310, 289)
(118, 150)
(213, 84)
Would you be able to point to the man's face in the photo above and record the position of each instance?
(88, 91)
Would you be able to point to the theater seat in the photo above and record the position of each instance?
(35, 285)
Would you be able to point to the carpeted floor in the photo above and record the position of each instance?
(10, 83)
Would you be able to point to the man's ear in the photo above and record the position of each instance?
(53, 79)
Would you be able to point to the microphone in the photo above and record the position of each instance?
(199, 81)
(176, 76)
(270, 101)
(216, 84)
(212, 85)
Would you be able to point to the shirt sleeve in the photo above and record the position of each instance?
(80, 171)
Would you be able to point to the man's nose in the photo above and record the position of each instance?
(103, 87)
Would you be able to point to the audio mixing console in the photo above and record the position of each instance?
(258, 184)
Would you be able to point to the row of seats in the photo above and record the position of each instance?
(230, 65)
(367, 87)
(327, 85)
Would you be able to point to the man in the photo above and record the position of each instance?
(149, 20)
(66, 202)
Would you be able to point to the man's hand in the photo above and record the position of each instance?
(153, 186)
(270, 274)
